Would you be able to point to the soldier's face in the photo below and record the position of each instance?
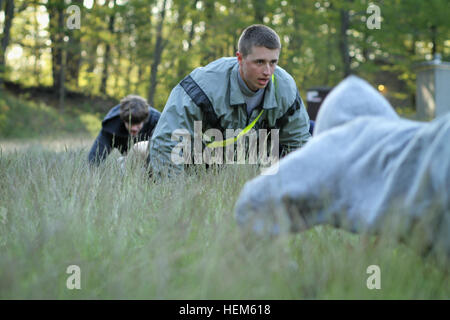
(134, 129)
(257, 68)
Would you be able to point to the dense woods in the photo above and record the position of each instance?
(146, 47)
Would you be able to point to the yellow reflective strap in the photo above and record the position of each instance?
(226, 142)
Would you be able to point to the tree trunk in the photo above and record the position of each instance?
(9, 15)
(129, 70)
(343, 41)
(412, 49)
(62, 78)
(56, 15)
(117, 72)
(36, 49)
(73, 55)
(105, 69)
(296, 40)
(141, 70)
(106, 57)
(61, 63)
(328, 55)
(159, 47)
(434, 40)
(183, 58)
(92, 56)
(209, 45)
(73, 60)
(260, 10)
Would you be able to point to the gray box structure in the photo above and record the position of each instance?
(433, 88)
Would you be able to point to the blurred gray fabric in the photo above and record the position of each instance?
(364, 167)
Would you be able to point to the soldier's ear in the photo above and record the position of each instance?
(239, 56)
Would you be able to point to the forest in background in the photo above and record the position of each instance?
(147, 47)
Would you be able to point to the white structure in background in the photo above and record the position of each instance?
(433, 88)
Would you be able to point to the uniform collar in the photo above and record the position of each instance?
(237, 98)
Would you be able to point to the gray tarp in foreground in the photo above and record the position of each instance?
(363, 166)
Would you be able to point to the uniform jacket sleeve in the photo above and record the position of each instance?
(101, 148)
(179, 113)
(294, 133)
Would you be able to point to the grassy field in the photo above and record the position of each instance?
(176, 239)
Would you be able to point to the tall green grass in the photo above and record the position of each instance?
(175, 239)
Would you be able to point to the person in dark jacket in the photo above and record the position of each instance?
(131, 121)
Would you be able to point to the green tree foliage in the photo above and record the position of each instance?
(123, 48)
